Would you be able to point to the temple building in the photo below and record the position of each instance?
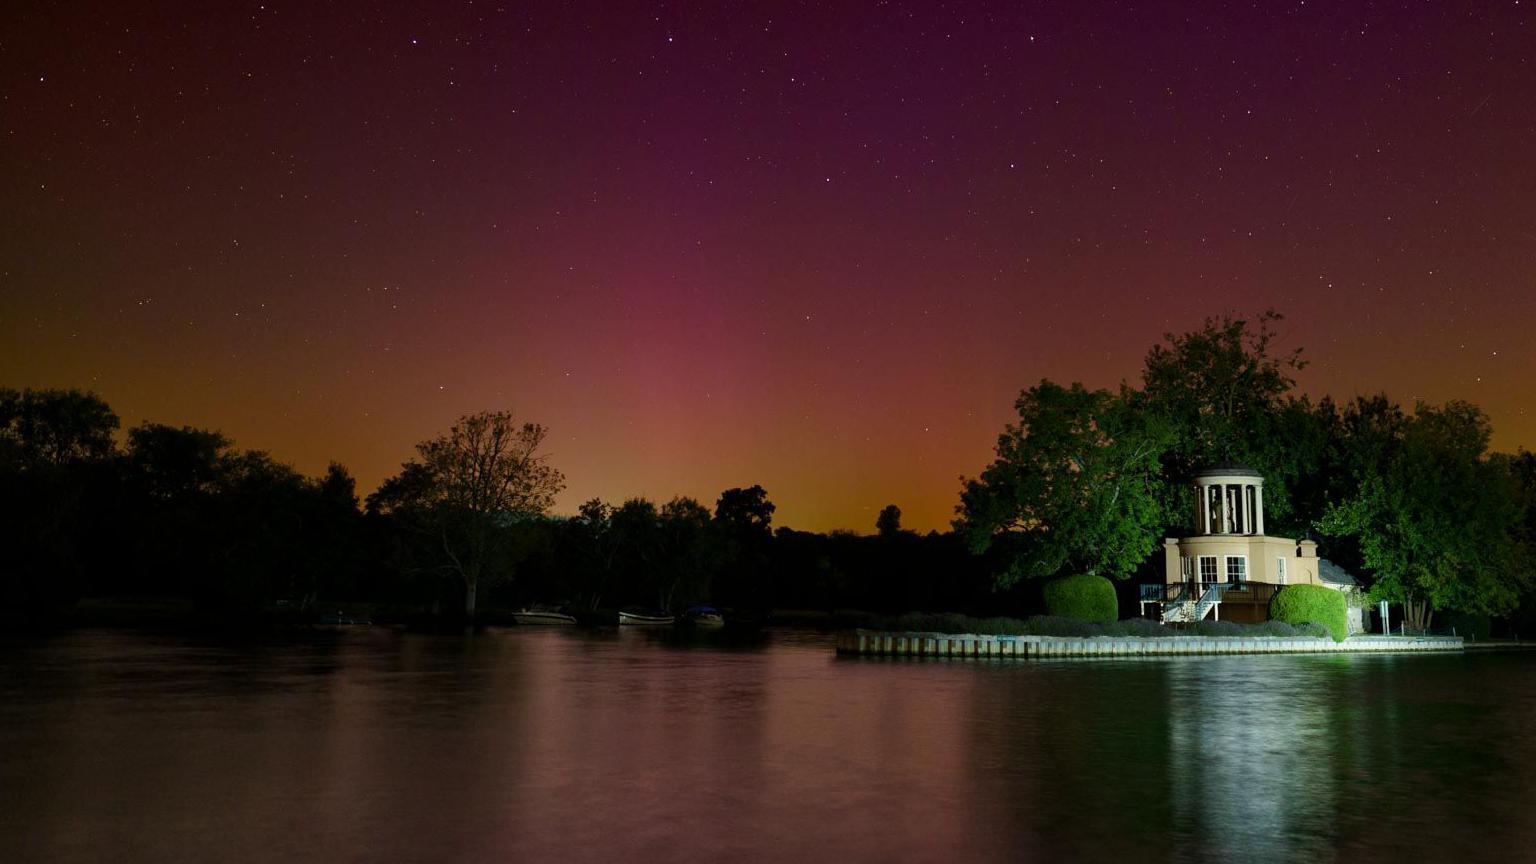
(1229, 569)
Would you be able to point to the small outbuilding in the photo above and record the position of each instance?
(1333, 576)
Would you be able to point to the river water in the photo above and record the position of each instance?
(565, 745)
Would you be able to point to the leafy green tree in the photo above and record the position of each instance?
(1522, 470)
(1347, 443)
(1075, 484)
(1226, 391)
(1437, 518)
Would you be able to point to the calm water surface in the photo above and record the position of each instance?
(548, 745)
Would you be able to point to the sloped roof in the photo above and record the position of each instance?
(1333, 574)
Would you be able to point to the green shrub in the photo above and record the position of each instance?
(1302, 604)
(1144, 627)
(1280, 628)
(1056, 625)
(998, 626)
(1219, 628)
(1084, 597)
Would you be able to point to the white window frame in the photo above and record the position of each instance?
(1186, 568)
(1242, 569)
(1215, 573)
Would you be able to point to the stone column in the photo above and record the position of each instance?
(1258, 508)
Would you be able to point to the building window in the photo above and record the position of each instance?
(1280, 570)
(1237, 568)
(1186, 569)
(1207, 568)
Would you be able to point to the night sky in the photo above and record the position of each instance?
(815, 248)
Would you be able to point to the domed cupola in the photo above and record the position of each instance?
(1229, 499)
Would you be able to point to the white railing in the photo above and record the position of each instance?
(1184, 607)
(1209, 600)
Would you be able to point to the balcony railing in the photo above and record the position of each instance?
(1250, 592)
(1232, 592)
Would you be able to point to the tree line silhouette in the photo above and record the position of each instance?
(166, 511)
(1084, 480)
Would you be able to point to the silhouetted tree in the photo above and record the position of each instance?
(334, 564)
(54, 427)
(888, 523)
(746, 510)
(636, 534)
(466, 487)
(235, 530)
(743, 518)
(593, 551)
(171, 463)
(58, 478)
(174, 474)
(688, 553)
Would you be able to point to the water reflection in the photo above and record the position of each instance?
(574, 745)
(1252, 757)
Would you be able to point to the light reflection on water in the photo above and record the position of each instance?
(567, 745)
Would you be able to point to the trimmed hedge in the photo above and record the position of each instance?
(1302, 604)
(1084, 597)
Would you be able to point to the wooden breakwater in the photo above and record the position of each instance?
(970, 645)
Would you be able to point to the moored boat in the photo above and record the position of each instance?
(645, 618)
(542, 616)
(703, 616)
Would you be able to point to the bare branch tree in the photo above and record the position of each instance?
(469, 485)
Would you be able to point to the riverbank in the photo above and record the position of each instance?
(974, 645)
(1501, 645)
